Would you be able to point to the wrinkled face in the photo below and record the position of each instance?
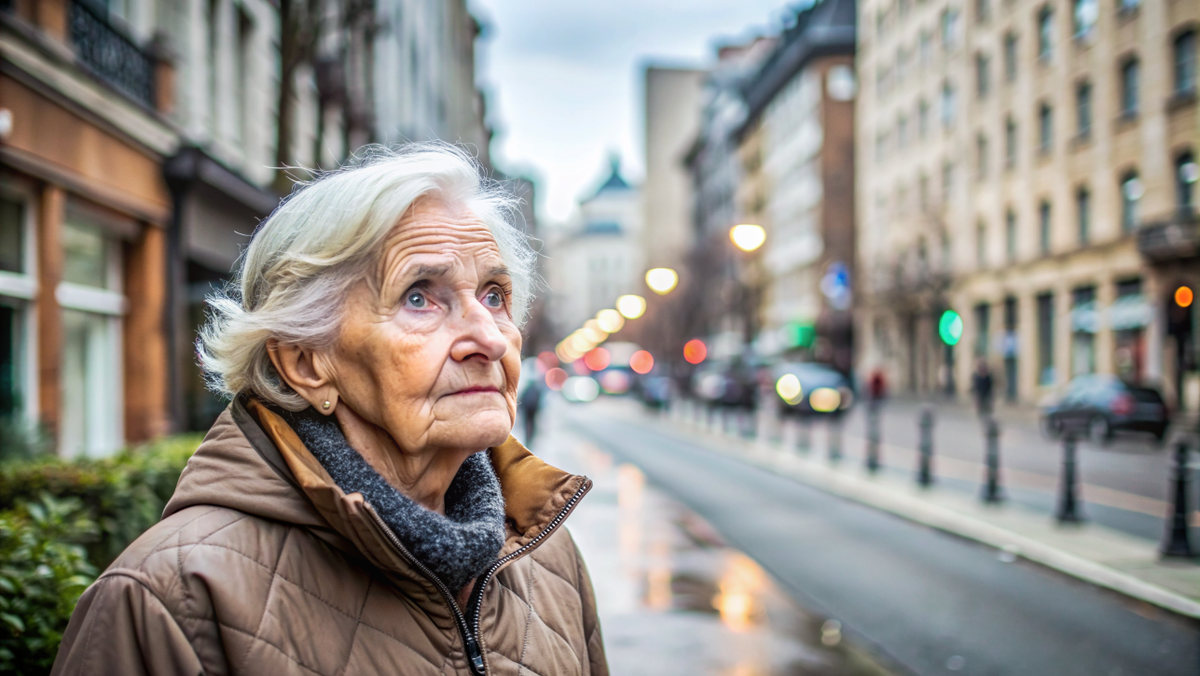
(432, 355)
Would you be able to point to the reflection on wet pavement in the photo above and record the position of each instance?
(674, 598)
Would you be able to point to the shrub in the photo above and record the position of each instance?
(43, 570)
(122, 495)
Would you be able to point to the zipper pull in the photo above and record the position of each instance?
(475, 657)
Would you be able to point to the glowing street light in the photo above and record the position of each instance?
(789, 389)
(661, 280)
(747, 236)
(610, 321)
(631, 306)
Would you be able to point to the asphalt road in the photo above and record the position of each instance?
(923, 600)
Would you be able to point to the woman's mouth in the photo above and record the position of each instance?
(478, 389)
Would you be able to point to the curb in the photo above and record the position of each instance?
(935, 516)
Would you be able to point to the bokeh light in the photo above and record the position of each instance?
(824, 400)
(581, 389)
(610, 321)
(788, 388)
(597, 359)
(661, 280)
(1184, 296)
(694, 351)
(747, 236)
(546, 361)
(555, 378)
(631, 306)
(641, 362)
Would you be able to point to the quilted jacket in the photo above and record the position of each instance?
(262, 565)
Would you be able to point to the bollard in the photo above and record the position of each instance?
(1178, 543)
(835, 439)
(1068, 505)
(925, 470)
(991, 487)
(873, 437)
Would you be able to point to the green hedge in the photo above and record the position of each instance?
(62, 521)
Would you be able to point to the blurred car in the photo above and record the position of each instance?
(655, 391)
(812, 389)
(1101, 405)
(726, 383)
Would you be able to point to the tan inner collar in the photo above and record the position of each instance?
(534, 491)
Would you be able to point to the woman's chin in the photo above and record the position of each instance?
(476, 432)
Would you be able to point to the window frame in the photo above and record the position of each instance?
(1129, 87)
(1185, 84)
(19, 291)
(1045, 33)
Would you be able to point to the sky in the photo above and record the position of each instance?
(564, 85)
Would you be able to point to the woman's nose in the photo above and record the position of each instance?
(478, 334)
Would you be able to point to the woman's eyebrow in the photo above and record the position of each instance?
(430, 271)
(499, 271)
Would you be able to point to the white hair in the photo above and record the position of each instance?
(325, 238)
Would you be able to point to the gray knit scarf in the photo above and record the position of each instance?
(456, 547)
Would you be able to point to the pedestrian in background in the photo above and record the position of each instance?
(531, 404)
(876, 388)
(360, 507)
(982, 386)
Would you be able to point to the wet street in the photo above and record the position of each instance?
(674, 600)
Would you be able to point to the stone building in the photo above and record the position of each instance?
(797, 147)
(1011, 153)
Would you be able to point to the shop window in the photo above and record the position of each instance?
(91, 405)
(1129, 316)
(1045, 338)
(1083, 331)
(17, 290)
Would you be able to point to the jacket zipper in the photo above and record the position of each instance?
(474, 655)
(471, 638)
(475, 603)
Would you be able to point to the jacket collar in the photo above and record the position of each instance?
(252, 461)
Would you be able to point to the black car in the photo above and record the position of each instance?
(812, 389)
(730, 384)
(1101, 405)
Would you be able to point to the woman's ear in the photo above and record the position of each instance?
(305, 372)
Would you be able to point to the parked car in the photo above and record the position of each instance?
(812, 389)
(1101, 405)
(655, 391)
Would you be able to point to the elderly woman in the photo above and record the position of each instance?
(360, 508)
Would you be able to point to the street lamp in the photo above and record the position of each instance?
(661, 280)
(747, 236)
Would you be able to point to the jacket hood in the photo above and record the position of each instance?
(253, 462)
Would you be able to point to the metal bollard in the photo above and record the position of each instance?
(1178, 543)
(1068, 504)
(835, 439)
(991, 486)
(873, 437)
(925, 470)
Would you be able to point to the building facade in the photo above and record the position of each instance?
(798, 167)
(1010, 153)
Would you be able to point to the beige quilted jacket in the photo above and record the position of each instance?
(262, 565)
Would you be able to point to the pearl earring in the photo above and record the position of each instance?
(325, 405)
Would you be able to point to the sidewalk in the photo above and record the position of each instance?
(1094, 553)
(673, 598)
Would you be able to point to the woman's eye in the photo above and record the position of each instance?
(415, 299)
(494, 299)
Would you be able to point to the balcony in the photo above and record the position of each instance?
(1171, 239)
(109, 54)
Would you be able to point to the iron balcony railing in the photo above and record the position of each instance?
(109, 54)
(1171, 239)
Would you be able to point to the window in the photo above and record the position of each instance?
(949, 29)
(1185, 64)
(17, 287)
(981, 244)
(1083, 214)
(1010, 235)
(947, 104)
(1131, 195)
(1044, 227)
(1045, 33)
(981, 159)
(1010, 143)
(923, 118)
(1083, 18)
(1128, 5)
(1187, 172)
(91, 350)
(947, 180)
(1129, 88)
(982, 329)
(1083, 330)
(1045, 334)
(1010, 348)
(925, 47)
(1045, 129)
(902, 131)
(1083, 109)
(1010, 56)
(983, 9)
(982, 85)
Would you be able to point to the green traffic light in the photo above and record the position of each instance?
(950, 328)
